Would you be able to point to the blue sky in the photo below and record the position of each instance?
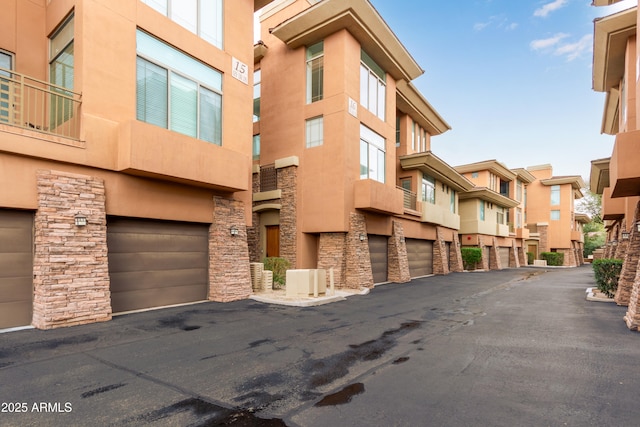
(511, 77)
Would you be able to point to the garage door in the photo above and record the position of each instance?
(156, 263)
(16, 268)
(420, 254)
(378, 254)
(504, 257)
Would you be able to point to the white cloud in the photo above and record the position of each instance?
(547, 43)
(498, 21)
(481, 26)
(575, 50)
(512, 26)
(549, 7)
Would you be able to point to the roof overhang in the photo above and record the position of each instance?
(599, 179)
(604, 2)
(609, 46)
(430, 164)
(524, 175)
(259, 51)
(583, 218)
(259, 4)
(410, 101)
(492, 166)
(362, 20)
(483, 193)
(576, 183)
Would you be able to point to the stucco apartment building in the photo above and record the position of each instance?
(344, 176)
(125, 156)
(493, 213)
(615, 72)
(551, 215)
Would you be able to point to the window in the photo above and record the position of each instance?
(474, 174)
(555, 215)
(504, 188)
(61, 63)
(6, 62)
(372, 155)
(256, 147)
(314, 132)
(428, 189)
(452, 202)
(315, 72)
(413, 135)
(518, 218)
(202, 17)
(184, 97)
(372, 86)
(555, 195)
(257, 82)
(519, 190)
(500, 216)
(397, 130)
(482, 210)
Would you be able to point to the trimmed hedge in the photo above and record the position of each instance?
(279, 266)
(530, 258)
(470, 257)
(607, 272)
(553, 258)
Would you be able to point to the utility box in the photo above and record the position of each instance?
(302, 283)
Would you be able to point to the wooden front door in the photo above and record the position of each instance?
(273, 240)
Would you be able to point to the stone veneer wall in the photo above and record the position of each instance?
(543, 244)
(494, 256)
(483, 261)
(514, 262)
(358, 262)
(455, 256)
(522, 254)
(440, 260)
(332, 249)
(630, 265)
(70, 270)
(569, 257)
(397, 259)
(288, 183)
(229, 271)
(623, 245)
(632, 317)
(253, 232)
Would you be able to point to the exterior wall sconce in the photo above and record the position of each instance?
(638, 226)
(625, 235)
(362, 237)
(402, 239)
(80, 220)
(234, 230)
(614, 243)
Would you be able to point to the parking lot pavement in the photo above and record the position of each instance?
(508, 347)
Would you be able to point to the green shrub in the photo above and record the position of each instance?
(607, 272)
(530, 258)
(553, 258)
(279, 267)
(471, 257)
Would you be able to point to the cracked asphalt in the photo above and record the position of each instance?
(501, 348)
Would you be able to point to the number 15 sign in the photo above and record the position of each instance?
(240, 71)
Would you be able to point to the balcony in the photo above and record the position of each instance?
(377, 197)
(612, 209)
(410, 199)
(624, 175)
(577, 236)
(38, 106)
(439, 215)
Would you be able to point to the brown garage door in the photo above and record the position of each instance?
(420, 254)
(156, 263)
(378, 253)
(16, 268)
(504, 257)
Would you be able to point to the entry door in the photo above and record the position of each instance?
(273, 240)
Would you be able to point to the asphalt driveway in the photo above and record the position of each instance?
(513, 347)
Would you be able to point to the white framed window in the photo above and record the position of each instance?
(314, 132)
(6, 63)
(177, 92)
(372, 155)
(256, 147)
(61, 71)
(555, 195)
(257, 87)
(500, 216)
(201, 17)
(482, 210)
(428, 189)
(555, 215)
(518, 190)
(372, 86)
(315, 72)
(452, 201)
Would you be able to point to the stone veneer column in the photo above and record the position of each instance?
(288, 183)
(623, 245)
(440, 261)
(543, 230)
(514, 262)
(632, 317)
(630, 264)
(522, 254)
(332, 252)
(70, 266)
(455, 256)
(484, 261)
(397, 259)
(253, 233)
(494, 256)
(229, 272)
(358, 265)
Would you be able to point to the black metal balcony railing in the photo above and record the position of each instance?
(409, 199)
(33, 104)
(268, 178)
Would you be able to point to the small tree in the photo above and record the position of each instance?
(279, 267)
(470, 257)
(607, 272)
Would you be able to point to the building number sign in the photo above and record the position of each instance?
(240, 71)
